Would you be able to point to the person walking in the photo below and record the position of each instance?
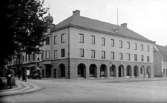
(10, 77)
(24, 75)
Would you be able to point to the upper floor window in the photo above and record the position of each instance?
(55, 39)
(81, 38)
(112, 55)
(47, 54)
(135, 57)
(42, 55)
(112, 42)
(103, 56)
(92, 53)
(135, 46)
(142, 47)
(55, 54)
(62, 38)
(128, 44)
(142, 58)
(93, 39)
(63, 52)
(103, 41)
(148, 48)
(148, 59)
(128, 56)
(121, 56)
(47, 40)
(120, 44)
(81, 52)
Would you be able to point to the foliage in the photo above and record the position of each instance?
(22, 27)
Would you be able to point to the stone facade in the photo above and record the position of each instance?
(80, 47)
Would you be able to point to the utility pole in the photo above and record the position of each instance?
(117, 17)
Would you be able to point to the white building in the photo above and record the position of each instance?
(84, 47)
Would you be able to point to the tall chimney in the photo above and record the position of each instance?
(124, 25)
(76, 13)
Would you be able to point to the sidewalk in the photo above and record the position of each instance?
(21, 88)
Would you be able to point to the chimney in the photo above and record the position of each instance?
(124, 25)
(76, 13)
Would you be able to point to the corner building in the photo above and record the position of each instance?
(81, 47)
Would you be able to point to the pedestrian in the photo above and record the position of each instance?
(9, 77)
(19, 74)
(28, 73)
(24, 76)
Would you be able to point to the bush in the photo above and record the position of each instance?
(3, 82)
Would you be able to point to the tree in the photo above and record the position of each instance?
(22, 27)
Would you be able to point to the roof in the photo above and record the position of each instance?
(99, 26)
(163, 51)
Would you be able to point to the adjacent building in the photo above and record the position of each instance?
(160, 61)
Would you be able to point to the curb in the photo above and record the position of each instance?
(19, 90)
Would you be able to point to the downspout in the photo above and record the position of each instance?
(69, 75)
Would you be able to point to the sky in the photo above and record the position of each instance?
(146, 17)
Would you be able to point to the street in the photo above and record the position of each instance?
(93, 91)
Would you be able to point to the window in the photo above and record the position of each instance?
(47, 54)
(128, 44)
(81, 38)
(121, 56)
(81, 52)
(103, 54)
(148, 48)
(92, 53)
(55, 39)
(135, 57)
(142, 47)
(142, 58)
(62, 38)
(62, 52)
(55, 54)
(112, 42)
(112, 55)
(103, 41)
(47, 40)
(128, 56)
(120, 44)
(135, 46)
(42, 55)
(33, 57)
(93, 39)
(148, 59)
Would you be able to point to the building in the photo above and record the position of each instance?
(81, 47)
(160, 61)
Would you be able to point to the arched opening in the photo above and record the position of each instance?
(43, 73)
(136, 72)
(148, 71)
(54, 72)
(113, 71)
(142, 70)
(62, 70)
(121, 71)
(103, 70)
(129, 71)
(93, 70)
(82, 70)
(48, 70)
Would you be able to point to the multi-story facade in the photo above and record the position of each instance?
(83, 47)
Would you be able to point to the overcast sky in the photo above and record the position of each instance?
(146, 17)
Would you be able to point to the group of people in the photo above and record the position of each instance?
(22, 74)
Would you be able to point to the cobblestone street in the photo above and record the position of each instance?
(96, 91)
